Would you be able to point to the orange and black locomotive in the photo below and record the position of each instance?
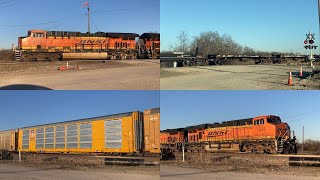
(59, 45)
(264, 134)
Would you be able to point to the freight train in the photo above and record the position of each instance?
(117, 134)
(58, 45)
(263, 134)
(170, 60)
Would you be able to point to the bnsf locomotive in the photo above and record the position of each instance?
(263, 134)
(58, 45)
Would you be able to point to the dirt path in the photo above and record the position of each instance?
(134, 75)
(19, 172)
(242, 77)
(168, 172)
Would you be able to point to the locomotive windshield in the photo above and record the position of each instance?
(274, 120)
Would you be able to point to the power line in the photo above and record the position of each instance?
(44, 23)
(7, 2)
(73, 19)
(94, 24)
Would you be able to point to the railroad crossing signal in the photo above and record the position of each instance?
(310, 41)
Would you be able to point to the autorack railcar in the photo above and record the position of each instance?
(125, 133)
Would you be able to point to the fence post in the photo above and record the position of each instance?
(182, 152)
(19, 155)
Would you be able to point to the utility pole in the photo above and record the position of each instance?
(89, 18)
(319, 17)
(88, 7)
(302, 139)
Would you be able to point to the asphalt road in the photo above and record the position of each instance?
(231, 77)
(176, 173)
(14, 172)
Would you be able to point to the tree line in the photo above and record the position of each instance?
(212, 42)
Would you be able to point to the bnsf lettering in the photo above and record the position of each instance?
(92, 42)
(216, 133)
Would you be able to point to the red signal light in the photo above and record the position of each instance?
(305, 42)
(311, 41)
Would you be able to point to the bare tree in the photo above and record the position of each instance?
(183, 43)
(213, 43)
(248, 51)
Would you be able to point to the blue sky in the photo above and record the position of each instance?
(297, 108)
(22, 109)
(18, 16)
(278, 25)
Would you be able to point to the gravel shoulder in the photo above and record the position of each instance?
(266, 165)
(235, 77)
(14, 171)
(170, 172)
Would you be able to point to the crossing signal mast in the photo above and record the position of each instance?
(309, 44)
(87, 4)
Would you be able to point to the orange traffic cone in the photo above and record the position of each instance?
(301, 73)
(290, 79)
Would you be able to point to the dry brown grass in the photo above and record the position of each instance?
(5, 55)
(310, 147)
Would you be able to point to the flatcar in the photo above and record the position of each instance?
(264, 134)
(125, 133)
(66, 45)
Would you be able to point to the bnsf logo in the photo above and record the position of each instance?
(217, 133)
(92, 42)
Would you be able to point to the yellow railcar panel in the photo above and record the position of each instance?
(98, 136)
(152, 131)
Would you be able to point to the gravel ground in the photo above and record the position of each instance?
(238, 162)
(169, 172)
(19, 172)
(93, 75)
(81, 162)
(236, 77)
(9, 69)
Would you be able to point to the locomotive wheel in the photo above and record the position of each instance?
(185, 63)
(242, 148)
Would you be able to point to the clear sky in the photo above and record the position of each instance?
(267, 25)
(18, 16)
(297, 108)
(22, 109)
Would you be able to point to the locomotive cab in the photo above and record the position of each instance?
(282, 129)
